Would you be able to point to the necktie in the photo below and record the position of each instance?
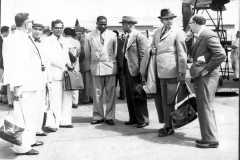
(101, 39)
(60, 41)
(37, 40)
(165, 29)
(125, 44)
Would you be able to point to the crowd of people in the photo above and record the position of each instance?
(34, 61)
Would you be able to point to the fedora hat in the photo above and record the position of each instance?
(128, 19)
(166, 13)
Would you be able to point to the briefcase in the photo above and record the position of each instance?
(72, 80)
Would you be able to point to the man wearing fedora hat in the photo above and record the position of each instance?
(169, 46)
(134, 47)
(101, 49)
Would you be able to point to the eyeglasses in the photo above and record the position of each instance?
(167, 19)
(191, 22)
(30, 21)
(60, 28)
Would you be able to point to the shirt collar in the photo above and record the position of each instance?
(100, 32)
(198, 34)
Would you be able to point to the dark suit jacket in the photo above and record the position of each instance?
(119, 53)
(136, 48)
(208, 45)
(1, 58)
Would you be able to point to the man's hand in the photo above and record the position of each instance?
(17, 93)
(153, 50)
(69, 67)
(204, 72)
(48, 85)
(182, 77)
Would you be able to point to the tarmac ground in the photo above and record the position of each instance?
(121, 142)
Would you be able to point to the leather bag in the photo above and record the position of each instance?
(72, 80)
(183, 114)
(11, 132)
(138, 92)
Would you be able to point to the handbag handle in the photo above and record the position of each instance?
(74, 64)
(48, 98)
(187, 89)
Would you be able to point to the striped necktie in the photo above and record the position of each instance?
(60, 41)
(165, 29)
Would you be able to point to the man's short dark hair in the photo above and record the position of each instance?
(101, 18)
(4, 29)
(20, 18)
(56, 22)
(199, 19)
(117, 33)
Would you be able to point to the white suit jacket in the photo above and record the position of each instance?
(59, 56)
(22, 63)
(102, 57)
(171, 52)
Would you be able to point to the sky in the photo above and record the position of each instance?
(44, 11)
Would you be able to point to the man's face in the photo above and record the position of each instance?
(5, 34)
(125, 27)
(28, 25)
(238, 35)
(102, 25)
(167, 22)
(58, 29)
(37, 32)
(192, 26)
(79, 34)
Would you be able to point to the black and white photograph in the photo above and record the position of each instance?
(119, 79)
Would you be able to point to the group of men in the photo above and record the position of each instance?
(40, 68)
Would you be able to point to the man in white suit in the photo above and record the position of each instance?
(37, 31)
(23, 72)
(169, 45)
(60, 100)
(101, 46)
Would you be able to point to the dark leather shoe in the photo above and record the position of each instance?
(52, 129)
(31, 152)
(66, 126)
(142, 125)
(109, 122)
(75, 106)
(97, 121)
(130, 122)
(38, 143)
(236, 79)
(161, 130)
(166, 132)
(201, 142)
(207, 145)
(121, 98)
(41, 134)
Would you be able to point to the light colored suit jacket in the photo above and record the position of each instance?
(59, 56)
(102, 57)
(208, 46)
(171, 52)
(22, 63)
(84, 61)
(136, 48)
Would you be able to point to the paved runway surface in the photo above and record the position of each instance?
(120, 142)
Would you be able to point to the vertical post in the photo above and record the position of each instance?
(0, 12)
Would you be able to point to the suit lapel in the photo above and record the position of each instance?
(167, 34)
(96, 40)
(197, 43)
(157, 37)
(131, 40)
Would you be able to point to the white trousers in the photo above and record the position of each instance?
(75, 95)
(29, 103)
(61, 104)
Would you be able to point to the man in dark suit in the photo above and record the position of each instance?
(207, 54)
(120, 76)
(135, 45)
(4, 33)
